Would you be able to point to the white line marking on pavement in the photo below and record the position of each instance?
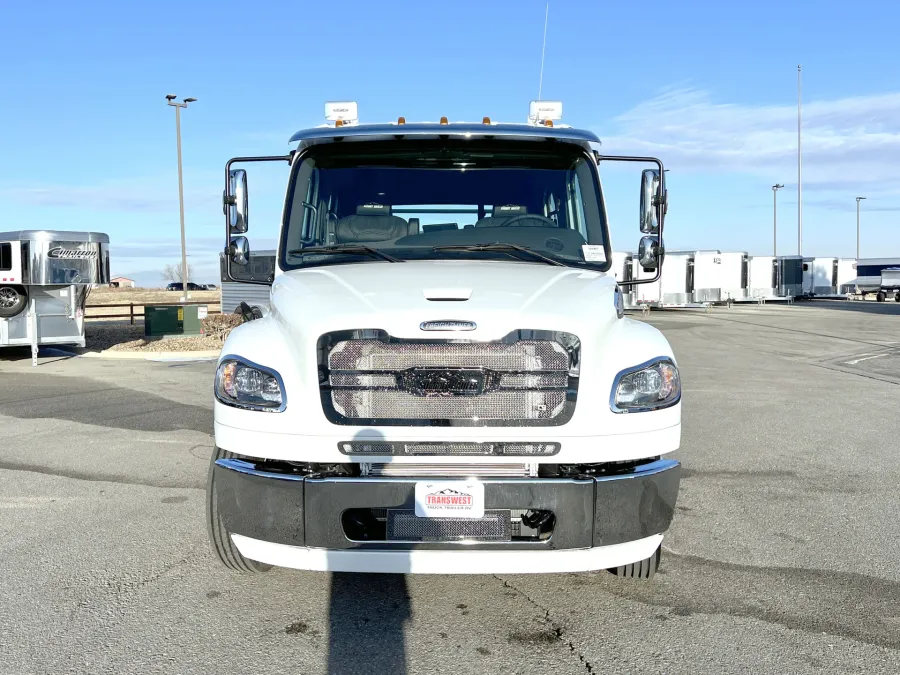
(864, 358)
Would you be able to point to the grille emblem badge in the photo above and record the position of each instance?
(448, 325)
(431, 382)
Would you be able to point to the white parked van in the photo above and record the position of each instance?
(445, 381)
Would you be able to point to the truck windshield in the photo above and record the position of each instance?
(445, 199)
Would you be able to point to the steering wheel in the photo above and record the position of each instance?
(529, 216)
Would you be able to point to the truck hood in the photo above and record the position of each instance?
(397, 297)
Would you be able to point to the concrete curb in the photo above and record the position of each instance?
(206, 355)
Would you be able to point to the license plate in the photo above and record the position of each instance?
(449, 499)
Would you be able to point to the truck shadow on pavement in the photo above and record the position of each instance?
(88, 401)
(367, 618)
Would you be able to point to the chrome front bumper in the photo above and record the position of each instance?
(306, 512)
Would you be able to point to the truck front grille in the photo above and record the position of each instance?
(527, 378)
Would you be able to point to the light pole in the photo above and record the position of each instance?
(775, 189)
(799, 162)
(858, 200)
(178, 106)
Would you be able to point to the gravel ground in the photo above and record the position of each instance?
(124, 337)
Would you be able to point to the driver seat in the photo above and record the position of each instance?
(371, 223)
(501, 215)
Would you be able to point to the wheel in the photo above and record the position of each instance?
(880, 297)
(13, 300)
(642, 569)
(219, 537)
(897, 297)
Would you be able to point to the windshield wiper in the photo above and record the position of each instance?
(353, 249)
(500, 248)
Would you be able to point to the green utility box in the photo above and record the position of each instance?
(173, 320)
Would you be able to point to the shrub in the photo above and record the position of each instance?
(220, 325)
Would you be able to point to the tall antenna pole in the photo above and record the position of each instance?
(799, 164)
(543, 51)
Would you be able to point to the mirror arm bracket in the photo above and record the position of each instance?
(229, 199)
(662, 214)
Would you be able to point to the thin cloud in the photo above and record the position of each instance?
(846, 142)
(139, 195)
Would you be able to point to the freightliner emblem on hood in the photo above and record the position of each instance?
(448, 325)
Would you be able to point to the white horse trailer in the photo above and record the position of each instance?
(45, 278)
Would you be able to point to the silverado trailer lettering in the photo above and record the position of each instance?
(444, 380)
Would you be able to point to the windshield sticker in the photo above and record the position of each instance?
(593, 253)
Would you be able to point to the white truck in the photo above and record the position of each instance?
(444, 381)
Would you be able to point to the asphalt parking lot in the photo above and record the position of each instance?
(782, 557)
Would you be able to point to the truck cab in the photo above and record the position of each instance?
(444, 380)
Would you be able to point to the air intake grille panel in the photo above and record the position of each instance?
(406, 526)
(410, 470)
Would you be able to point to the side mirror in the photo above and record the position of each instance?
(239, 251)
(650, 253)
(237, 201)
(652, 201)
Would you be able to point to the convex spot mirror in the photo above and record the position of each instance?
(650, 253)
(239, 251)
(653, 201)
(236, 201)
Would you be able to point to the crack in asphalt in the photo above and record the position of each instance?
(101, 478)
(554, 625)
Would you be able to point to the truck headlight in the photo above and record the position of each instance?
(649, 386)
(244, 384)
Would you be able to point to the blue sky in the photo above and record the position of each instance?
(709, 87)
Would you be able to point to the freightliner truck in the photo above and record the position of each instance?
(444, 380)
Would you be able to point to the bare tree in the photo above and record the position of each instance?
(173, 273)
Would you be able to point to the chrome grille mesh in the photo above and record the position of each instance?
(498, 405)
(527, 355)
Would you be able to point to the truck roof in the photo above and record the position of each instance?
(54, 235)
(367, 132)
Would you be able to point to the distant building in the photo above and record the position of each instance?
(122, 282)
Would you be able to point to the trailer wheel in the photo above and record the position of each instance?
(897, 297)
(219, 537)
(13, 299)
(642, 569)
(880, 297)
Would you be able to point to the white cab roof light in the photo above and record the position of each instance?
(345, 112)
(541, 111)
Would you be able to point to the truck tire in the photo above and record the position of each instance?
(897, 297)
(219, 537)
(880, 297)
(13, 300)
(642, 569)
